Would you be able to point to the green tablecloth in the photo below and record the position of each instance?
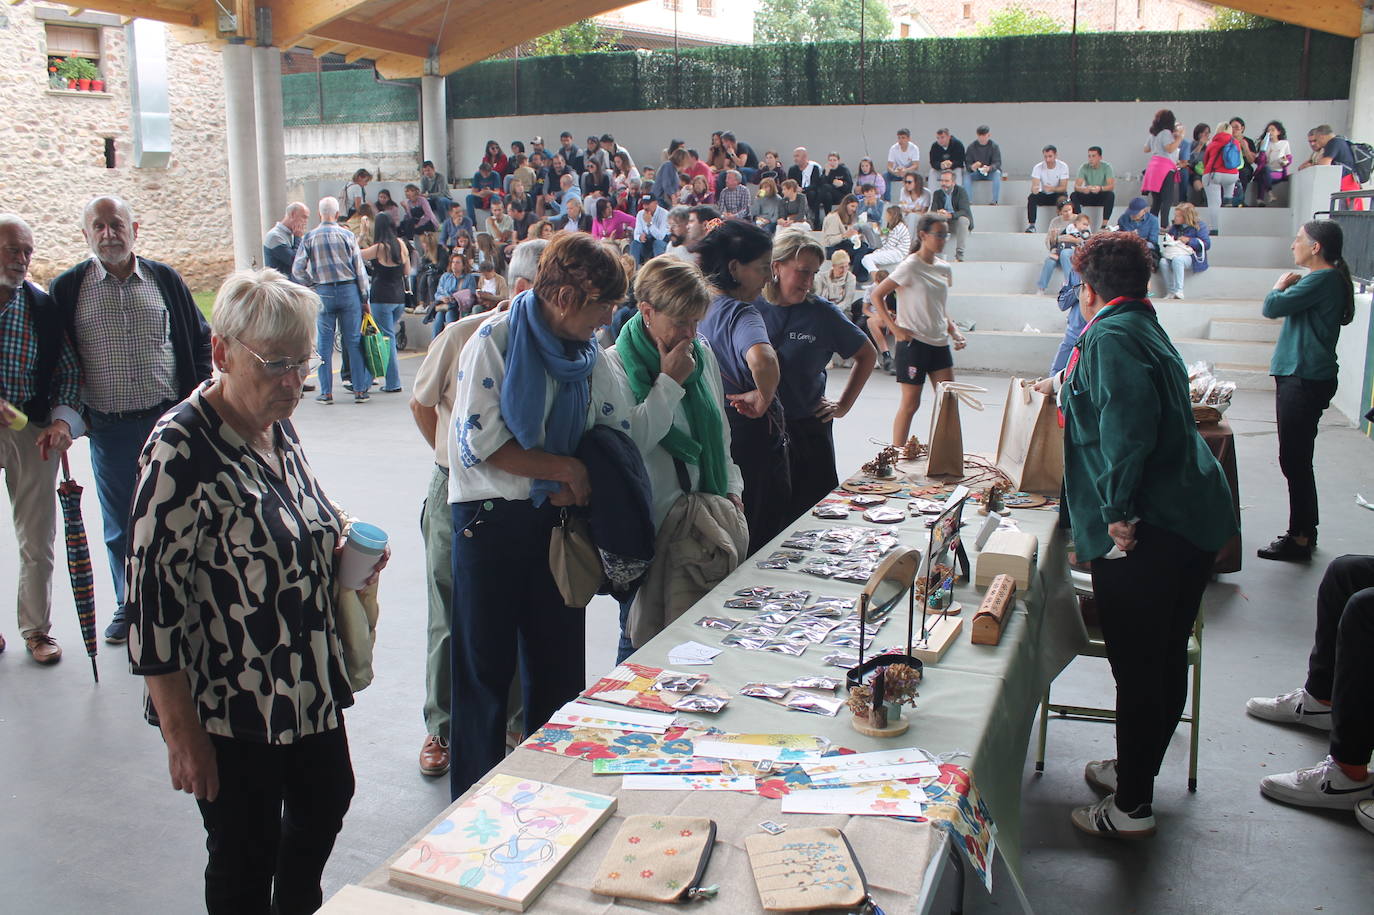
(979, 699)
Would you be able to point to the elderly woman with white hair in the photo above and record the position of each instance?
(233, 552)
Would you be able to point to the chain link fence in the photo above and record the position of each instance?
(1266, 64)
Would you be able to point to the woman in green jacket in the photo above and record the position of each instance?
(1313, 308)
(1149, 506)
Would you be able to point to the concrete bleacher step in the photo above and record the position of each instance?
(1011, 277)
(1030, 354)
(1014, 190)
(1227, 251)
(1252, 330)
(1189, 318)
(1010, 216)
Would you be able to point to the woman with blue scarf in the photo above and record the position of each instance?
(530, 382)
(676, 383)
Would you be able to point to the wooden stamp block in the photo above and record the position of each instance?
(997, 603)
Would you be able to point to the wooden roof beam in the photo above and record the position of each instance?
(145, 11)
(292, 20)
(375, 37)
(1339, 17)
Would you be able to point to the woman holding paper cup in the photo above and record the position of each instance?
(922, 327)
(531, 381)
(1149, 506)
(234, 555)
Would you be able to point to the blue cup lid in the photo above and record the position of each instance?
(369, 536)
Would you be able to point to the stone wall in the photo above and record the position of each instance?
(52, 151)
(947, 18)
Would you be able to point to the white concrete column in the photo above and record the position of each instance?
(271, 145)
(434, 115)
(241, 132)
(1362, 82)
(1310, 192)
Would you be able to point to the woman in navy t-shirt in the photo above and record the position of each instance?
(806, 331)
(735, 257)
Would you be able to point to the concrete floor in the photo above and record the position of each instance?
(88, 822)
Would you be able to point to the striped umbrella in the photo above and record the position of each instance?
(78, 560)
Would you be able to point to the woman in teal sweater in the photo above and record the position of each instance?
(1149, 506)
(1313, 308)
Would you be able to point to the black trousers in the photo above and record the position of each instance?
(1163, 200)
(1104, 199)
(506, 606)
(1042, 199)
(760, 449)
(811, 458)
(1148, 602)
(1341, 667)
(1299, 404)
(273, 825)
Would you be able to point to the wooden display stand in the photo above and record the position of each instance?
(941, 632)
(893, 728)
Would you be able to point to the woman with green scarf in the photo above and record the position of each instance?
(677, 386)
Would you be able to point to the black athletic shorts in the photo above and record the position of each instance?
(913, 360)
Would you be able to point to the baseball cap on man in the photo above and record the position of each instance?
(1137, 204)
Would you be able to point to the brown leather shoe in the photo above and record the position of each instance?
(434, 756)
(43, 647)
(2, 644)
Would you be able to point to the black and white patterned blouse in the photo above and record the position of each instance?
(230, 578)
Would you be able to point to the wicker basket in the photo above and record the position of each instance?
(1202, 413)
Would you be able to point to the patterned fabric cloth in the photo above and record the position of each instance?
(329, 254)
(230, 579)
(124, 333)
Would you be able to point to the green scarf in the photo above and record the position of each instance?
(705, 446)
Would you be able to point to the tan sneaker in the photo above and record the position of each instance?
(43, 647)
(434, 756)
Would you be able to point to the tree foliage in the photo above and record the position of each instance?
(578, 38)
(820, 20)
(1227, 20)
(1018, 20)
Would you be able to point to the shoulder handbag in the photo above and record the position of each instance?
(355, 622)
(376, 347)
(1172, 248)
(946, 432)
(574, 560)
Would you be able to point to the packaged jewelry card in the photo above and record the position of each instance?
(803, 869)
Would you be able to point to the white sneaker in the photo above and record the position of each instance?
(1101, 774)
(1323, 785)
(1364, 814)
(1297, 707)
(1106, 819)
(1179, 296)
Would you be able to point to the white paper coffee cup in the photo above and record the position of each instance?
(363, 546)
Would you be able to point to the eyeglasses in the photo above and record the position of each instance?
(280, 368)
(938, 234)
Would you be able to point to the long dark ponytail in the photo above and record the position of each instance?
(1328, 235)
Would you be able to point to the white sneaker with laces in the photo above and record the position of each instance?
(1322, 785)
(1106, 819)
(1297, 707)
(1101, 774)
(1364, 814)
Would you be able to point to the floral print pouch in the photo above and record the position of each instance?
(659, 859)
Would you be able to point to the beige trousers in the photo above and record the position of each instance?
(32, 485)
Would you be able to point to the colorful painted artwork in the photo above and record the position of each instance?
(607, 743)
(657, 765)
(632, 685)
(504, 843)
(688, 783)
(885, 799)
(954, 804)
(868, 767)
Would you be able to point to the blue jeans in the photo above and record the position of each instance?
(894, 186)
(475, 203)
(637, 248)
(1071, 335)
(443, 318)
(995, 176)
(1063, 260)
(506, 606)
(340, 304)
(115, 447)
(1173, 269)
(387, 314)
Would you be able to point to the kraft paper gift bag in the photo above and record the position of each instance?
(1030, 448)
(946, 433)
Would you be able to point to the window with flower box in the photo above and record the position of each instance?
(74, 58)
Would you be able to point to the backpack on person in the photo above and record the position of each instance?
(1363, 154)
(1230, 155)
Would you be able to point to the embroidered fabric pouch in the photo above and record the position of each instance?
(803, 869)
(659, 859)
